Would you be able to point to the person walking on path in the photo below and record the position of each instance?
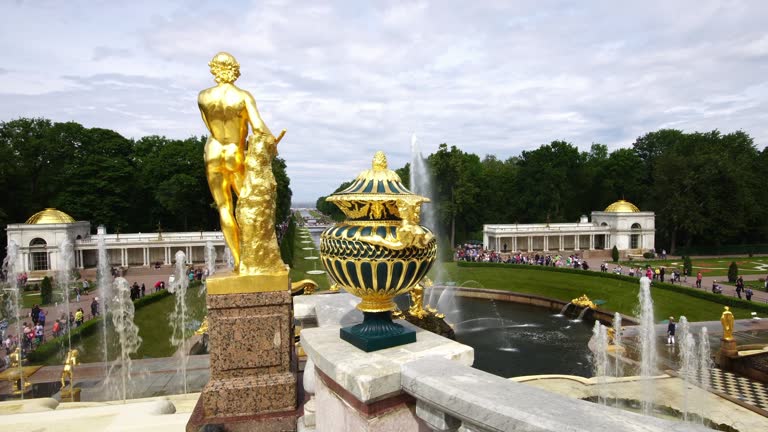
(671, 331)
(748, 293)
(739, 286)
(95, 307)
(698, 280)
(35, 314)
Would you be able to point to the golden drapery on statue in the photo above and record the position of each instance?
(236, 162)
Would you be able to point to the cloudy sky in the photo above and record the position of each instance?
(350, 77)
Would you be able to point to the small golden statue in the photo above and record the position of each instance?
(249, 230)
(417, 300)
(726, 319)
(584, 301)
(20, 383)
(203, 329)
(304, 286)
(69, 368)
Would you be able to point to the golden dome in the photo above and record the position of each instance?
(50, 216)
(622, 206)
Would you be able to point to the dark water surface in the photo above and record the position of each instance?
(512, 339)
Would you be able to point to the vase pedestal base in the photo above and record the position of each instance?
(376, 332)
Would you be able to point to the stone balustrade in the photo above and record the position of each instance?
(430, 385)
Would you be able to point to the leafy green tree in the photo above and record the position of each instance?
(331, 209)
(688, 265)
(457, 190)
(46, 291)
(733, 272)
(615, 254)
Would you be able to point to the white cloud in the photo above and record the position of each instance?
(348, 78)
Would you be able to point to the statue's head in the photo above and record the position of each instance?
(224, 68)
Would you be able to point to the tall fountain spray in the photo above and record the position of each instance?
(705, 359)
(122, 312)
(688, 362)
(647, 345)
(600, 364)
(105, 285)
(229, 260)
(210, 258)
(14, 299)
(618, 366)
(179, 317)
(64, 276)
(421, 184)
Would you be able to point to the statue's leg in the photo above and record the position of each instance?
(222, 195)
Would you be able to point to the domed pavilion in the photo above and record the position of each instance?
(621, 224)
(40, 237)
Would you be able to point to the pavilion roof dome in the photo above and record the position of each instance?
(50, 216)
(622, 206)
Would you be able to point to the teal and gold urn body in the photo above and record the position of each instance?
(379, 252)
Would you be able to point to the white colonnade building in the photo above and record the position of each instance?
(40, 237)
(621, 224)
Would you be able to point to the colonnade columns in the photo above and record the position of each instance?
(530, 243)
(591, 242)
(576, 242)
(560, 247)
(546, 242)
(167, 255)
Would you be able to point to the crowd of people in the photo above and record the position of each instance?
(476, 253)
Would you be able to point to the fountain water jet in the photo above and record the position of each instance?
(180, 316)
(421, 184)
(122, 312)
(229, 260)
(688, 362)
(14, 301)
(64, 276)
(647, 345)
(618, 368)
(105, 283)
(210, 258)
(600, 362)
(705, 359)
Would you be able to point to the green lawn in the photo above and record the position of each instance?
(301, 265)
(620, 296)
(711, 266)
(154, 329)
(30, 299)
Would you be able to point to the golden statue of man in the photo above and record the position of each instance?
(227, 112)
(726, 319)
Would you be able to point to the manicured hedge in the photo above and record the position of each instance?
(705, 295)
(53, 346)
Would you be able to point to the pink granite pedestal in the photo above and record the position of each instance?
(253, 363)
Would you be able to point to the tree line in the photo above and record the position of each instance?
(94, 174)
(706, 188)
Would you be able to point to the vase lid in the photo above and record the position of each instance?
(378, 184)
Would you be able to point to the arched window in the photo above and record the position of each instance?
(634, 238)
(79, 237)
(38, 254)
(604, 224)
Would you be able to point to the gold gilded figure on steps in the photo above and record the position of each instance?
(246, 170)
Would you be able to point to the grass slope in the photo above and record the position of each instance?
(301, 265)
(621, 296)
